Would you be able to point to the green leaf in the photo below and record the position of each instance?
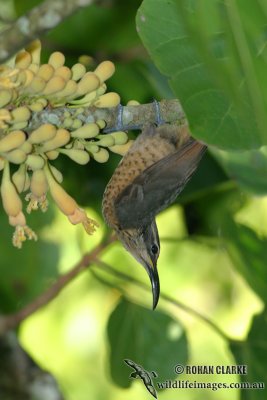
(253, 354)
(215, 56)
(151, 339)
(26, 272)
(248, 168)
(249, 254)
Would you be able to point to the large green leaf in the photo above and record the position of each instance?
(248, 168)
(253, 354)
(27, 272)
(151, 339)
(249, 254)
(214, 54)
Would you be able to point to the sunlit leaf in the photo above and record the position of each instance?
(215, 56)
(151, 339)
(248, 168)
(249, 254)
(253, 354)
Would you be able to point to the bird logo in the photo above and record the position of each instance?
(140, 372)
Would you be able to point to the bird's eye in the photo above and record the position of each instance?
(154, 249)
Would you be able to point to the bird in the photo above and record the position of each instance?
(146, 181)
(140, 372)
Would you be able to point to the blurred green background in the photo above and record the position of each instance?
(213, 239)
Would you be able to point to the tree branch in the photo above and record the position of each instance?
(11, 321)
(169, 299)
(133, 117)
(36, 23)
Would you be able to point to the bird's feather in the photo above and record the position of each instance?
(157, 186)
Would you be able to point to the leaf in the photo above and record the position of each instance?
(249, 254)
(248, 168)
(215, 56)
(25, 272)
(151, 339)
(253, 354)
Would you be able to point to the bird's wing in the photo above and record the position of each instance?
(157, 186)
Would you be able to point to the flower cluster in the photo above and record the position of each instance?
(27, 87)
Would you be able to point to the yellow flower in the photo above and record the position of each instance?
(68, 205)
(13, 207)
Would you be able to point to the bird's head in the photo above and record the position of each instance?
(144, 245)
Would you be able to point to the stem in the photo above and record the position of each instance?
(11, 321)
(164, 296)
(35, 23)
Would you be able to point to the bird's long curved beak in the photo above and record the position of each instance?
(154, 279)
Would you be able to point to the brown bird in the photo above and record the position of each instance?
(147, 180)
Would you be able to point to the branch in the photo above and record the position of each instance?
(36, 23)
(164, 296)
(133, 117)
(8, 322)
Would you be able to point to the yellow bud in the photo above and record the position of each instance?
(86, 131)
(110, 99)
(34, 68)
(16, 156)
(38, 184)
(133, 103)
(17, 126)
(43, 101)
(56, 173)
(21, 114)
(121, 148)
(52, 155)
(36, 106)
(34, 48)
(101, 156)
(46, 71)
(101, 90)
(37, 85)
(57, 59)
(11, 201)
(76, 123)
(5, 115)
(25, 77)
(26, 147)
(64, 72)
(12, 141)
(106, 140)
(85, 100)
(5, 97)
(86, 60)
(19, 178)
(69, 90)
(78, 70)
(67, 123)
(105, 70)
(35, 161)
(77, 144)
(62, 137)
(101, 123)
(92, 148)
(87, 84)
(42, 134)
(54, 85)
(79, 156)
(23, 60)
(120, 137)
(63, 200)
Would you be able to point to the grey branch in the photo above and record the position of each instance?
(133, 117)
(36, 23)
